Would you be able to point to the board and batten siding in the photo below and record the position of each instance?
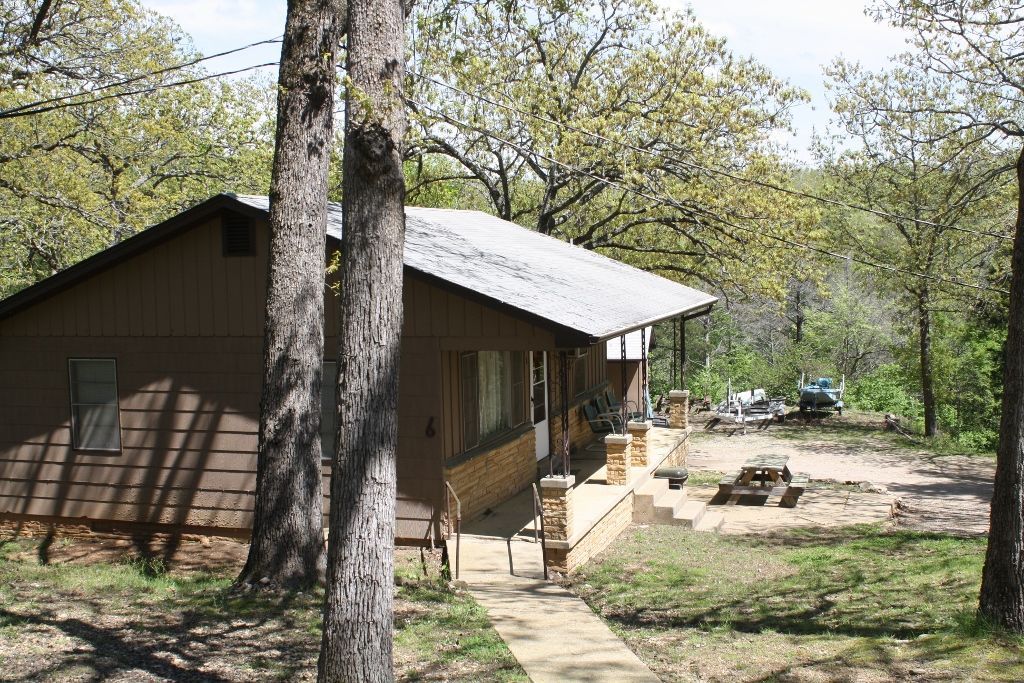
(184, 324)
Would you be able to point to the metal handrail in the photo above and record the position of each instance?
(538, 511)
(458, 525)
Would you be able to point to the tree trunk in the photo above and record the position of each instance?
(357, 630)
(1002, 579)
(287, 536)
(924, 325)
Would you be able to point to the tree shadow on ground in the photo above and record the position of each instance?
(203, 635)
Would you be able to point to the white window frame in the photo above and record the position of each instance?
(72, 405)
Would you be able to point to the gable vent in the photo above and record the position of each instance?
(236, 234)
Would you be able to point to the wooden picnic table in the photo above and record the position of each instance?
(763, 476)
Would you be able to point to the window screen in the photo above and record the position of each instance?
(328, 409)
(95, 422)
(493, 394)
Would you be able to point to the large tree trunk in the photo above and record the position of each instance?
(287, 536)
(1002, 580)
(357, 638)
(924, 326)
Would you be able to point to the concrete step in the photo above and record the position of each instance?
(711, 521)
(644, 497)
(667, 505)
(689, 514)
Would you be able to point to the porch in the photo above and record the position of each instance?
(583, 512)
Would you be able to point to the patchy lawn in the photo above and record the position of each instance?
(851, 604)
(127, 619)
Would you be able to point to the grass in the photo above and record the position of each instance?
(859, 603)
(131, 618)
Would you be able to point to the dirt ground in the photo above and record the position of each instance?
(116, 609)
(947, 493)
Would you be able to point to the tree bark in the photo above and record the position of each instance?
(924, 326)
(287, 545)
(357, 630)
(1002, 581)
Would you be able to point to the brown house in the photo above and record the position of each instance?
(129, 383)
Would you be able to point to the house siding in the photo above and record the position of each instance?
(185, 326)
(633, 380)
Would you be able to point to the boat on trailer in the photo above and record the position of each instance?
(822, 395)
(749, 406)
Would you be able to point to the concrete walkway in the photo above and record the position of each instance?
(554, 635)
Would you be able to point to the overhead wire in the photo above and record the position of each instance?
(62, 102)
(674, 204)
(53, 103)
(706, 169)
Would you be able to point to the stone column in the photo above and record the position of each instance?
(556, 499)
(618, 448)
(638, 430)
(679, 409)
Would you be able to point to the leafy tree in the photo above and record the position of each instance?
(975, 47)
(920, 187)
(79, 178)
(663, 96)
(358, 606)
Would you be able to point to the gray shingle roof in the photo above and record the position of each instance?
(572, 288)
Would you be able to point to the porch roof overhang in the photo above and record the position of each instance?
(584, 298)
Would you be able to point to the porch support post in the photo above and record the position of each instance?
(625, 382)
(563, 395)
(679, 409)
(682, 352)
(638, 453)
(619, 450)
(645, 408)
(557, 501)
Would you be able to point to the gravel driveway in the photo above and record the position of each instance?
(948, 493)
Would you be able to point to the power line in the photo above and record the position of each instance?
(60, 103)
(674, 204)
(41, 106)
(129, 93)
(708, 169)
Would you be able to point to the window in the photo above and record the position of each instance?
(328, 409)
(95, 419)
(493, 394)
(579, 374)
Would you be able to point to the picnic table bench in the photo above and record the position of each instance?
(762, 476)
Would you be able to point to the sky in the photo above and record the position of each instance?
(794, 38)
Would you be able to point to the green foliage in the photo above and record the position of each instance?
(78, 179)
(884, 390)
(661, 93)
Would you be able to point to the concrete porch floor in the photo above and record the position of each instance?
(593, 498)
